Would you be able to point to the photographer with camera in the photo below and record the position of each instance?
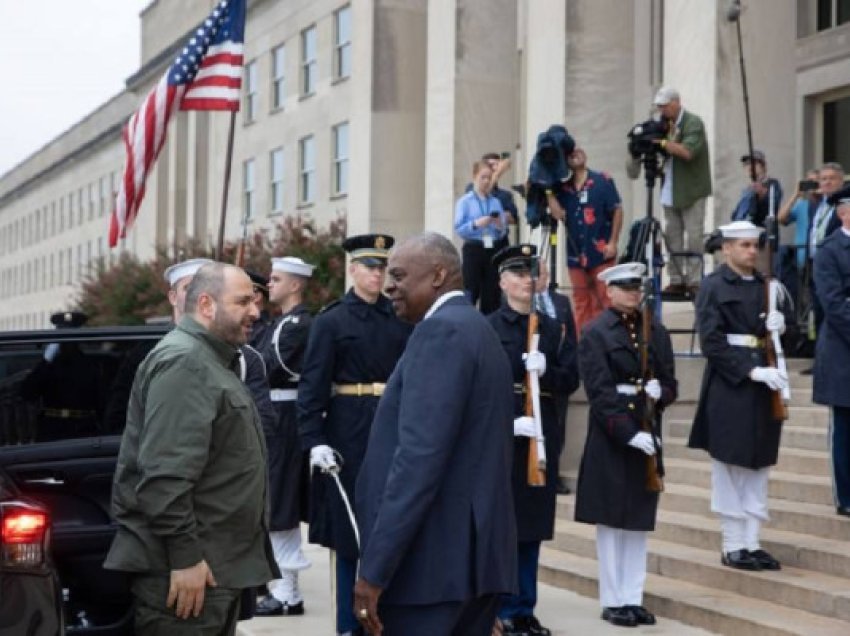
(482, 223)
(687, 183)
(796, 210)
(589, 205)
(754, 204)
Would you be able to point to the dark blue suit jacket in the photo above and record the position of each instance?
(434, 492)
(832, 356)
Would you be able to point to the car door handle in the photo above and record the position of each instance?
(46, 481)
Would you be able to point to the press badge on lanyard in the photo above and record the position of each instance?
(582, 197)
(487, 237)
(488, 241)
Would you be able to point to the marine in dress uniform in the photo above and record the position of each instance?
(261, 326)
(612, 491)
(556, 359)
(353, 347)
(733, 420)
(283, 352)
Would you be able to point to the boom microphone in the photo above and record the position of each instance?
(734, 11)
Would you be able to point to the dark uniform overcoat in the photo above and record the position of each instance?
(535, 505)
(733, 420)
(832, 359)
(283, 352)
(351, 341)
(611, 481)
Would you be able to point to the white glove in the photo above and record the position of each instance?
(653, 389)
(643, 442)
(323, 457)
(524, 427)
(50, 351)
(773, 378)
(775, 321)
(535, 362)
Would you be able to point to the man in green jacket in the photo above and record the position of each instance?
(189, 493)
(687, 183)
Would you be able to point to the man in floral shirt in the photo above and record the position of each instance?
(589, 204)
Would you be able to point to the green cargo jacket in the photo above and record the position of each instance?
(190, 483)
(691, 179)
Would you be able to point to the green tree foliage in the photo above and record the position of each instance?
(131, 292)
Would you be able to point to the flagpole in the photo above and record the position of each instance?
(228, 161)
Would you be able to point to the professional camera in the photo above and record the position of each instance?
(644, 137)
(548, 170)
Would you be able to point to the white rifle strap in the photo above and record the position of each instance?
(773, 292)
(293, 377)
(243, 366)
(534, 387)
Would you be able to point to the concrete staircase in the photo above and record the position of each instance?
(686, 582)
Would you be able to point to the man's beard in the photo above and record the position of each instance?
(228, 329)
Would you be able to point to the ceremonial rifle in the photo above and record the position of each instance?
(773, 352)
(536, 445)
(654, 471)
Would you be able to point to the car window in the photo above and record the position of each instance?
(69, 389)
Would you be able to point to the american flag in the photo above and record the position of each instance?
(207, 75)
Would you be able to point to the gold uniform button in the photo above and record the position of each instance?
(631, 406)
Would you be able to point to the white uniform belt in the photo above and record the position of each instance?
(283, 395)
(629, 389)
(744, 340)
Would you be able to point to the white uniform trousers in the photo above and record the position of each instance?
(290, 558)
(739, 497)
(622, 566)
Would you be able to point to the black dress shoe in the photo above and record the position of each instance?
(562, 488)
(270, 606)
(641, 614)
(808, 371)
(844, 511)
(765, 560)
(534, 628)
(513, 627)
(740, 559)
(619, 616)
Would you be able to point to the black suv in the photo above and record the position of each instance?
(63, 398)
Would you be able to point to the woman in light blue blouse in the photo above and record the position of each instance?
(483, 225)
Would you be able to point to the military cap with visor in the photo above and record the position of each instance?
(515, 258)
(627, 275)
(370, 249)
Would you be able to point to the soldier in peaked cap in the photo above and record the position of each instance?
(733, 420)
(283, 352)
(611, 491)
(261, 297)
(353, 347)
(555, 360)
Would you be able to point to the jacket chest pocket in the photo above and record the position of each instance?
(624, 362)
(236, 428)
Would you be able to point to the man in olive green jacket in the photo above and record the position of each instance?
(189, 493)
(687, 183)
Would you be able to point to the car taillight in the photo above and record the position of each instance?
(23, 535)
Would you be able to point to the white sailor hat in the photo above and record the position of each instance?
(292, 265)
(625, 274)
(740, 230)
(184, 269)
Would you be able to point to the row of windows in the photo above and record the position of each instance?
(63, 267)
(32, 320)
(86, 203)
(341, 67)
(306, 173)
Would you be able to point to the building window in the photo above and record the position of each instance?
(340, 158)
(250, 106)
(276, 171)
(91, 201)
(278, 77)
(102, 192)
(836, 131)
(308, 61)
(307, 169)
(342, 43)
(832, 13)
(248, 189)
(80, 206)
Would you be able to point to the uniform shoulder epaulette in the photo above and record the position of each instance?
(330, 305)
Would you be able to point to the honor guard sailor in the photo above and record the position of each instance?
(283, 349)
(734, 422)
(353, 347)
(612, 490)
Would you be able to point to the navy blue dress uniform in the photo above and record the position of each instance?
(259, 330)
(832, 359)
(434, 501)
(352, 349)
(534, 505)
(611, 490)
(734, 421)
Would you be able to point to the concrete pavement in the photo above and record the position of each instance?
(565, 613)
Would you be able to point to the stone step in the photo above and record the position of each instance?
(783, 485)
(805, 552)
(814, 592)
(793, 436)
(792, 460)
(793, 516)
(716, 610)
